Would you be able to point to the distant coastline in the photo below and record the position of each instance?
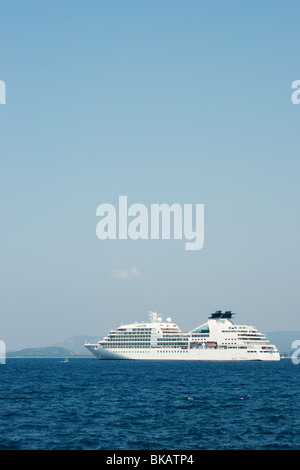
(51, 357)
(46, 353)
(70, 348)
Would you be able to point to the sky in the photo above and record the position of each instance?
(165, 101)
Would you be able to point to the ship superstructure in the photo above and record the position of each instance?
(219, 339)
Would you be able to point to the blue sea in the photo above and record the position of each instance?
(47, 404)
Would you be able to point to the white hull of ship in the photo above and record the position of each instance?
(197, 354)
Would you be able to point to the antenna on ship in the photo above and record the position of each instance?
(152, 317)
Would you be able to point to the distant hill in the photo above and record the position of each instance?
(72, 347)
(41, 352)
(76, 344)
(283, 340)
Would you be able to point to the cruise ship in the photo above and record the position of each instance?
(219, 339)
